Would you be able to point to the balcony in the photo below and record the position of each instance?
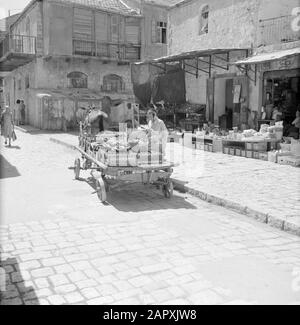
(107, 51)
(16, 50)
(277, 30)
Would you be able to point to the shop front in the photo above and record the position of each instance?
(281, 93)
(280, 90)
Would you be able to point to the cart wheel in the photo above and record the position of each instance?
(77, 168)
(101, 192)
(86, 164)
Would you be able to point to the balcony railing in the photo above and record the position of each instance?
(115, 51)
(18, 44)
(277, 30)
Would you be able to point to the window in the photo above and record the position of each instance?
(159, 32)
(113, 83)
(77, 80)
(203, 20)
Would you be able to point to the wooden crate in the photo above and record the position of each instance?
(256, 154)
(249, 146)
(232, 151)
(238, 152)
(226, 150)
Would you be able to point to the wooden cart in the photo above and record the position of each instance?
(110, 177)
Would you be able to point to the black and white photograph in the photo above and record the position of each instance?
(149, 155)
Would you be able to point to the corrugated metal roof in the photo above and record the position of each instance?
(189, 55)
(271, 56)
(110, 5)
(80, 94)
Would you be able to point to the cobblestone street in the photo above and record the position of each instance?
(60, 245)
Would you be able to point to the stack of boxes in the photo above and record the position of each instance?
(257, 150)
(289, 153)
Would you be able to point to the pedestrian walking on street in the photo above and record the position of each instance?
(7, 125)
(22, 110)
(18, 112)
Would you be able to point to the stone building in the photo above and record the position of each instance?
(213, 42)
(61, 56)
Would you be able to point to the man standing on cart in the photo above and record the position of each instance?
(157, 129)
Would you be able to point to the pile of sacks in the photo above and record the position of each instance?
(126, 149)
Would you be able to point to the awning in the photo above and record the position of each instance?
(206, 57)
(79, 94)
(190, 55)
(265, 57)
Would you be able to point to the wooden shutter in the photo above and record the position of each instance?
(153, 31)
(122, 29)
(132, 30)
(83, 24)
(114, 29)
(101, 26)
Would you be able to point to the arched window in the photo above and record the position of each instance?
(113, 82)
(77, 79)
(203, 19)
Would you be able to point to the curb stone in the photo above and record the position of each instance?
(276, 222)
(273, 221)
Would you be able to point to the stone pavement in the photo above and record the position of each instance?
(60, 245)
(263, 190)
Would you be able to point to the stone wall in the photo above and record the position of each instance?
(52, 72)
(150, 49)
(231, 24)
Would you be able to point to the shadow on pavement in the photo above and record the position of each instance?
(7, 170)
(138, 198)
(13, 290)
(13, 147)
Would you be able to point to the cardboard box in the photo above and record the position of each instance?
(295, 147)
(260, 146)
(272, 156)
(249, 153)
(285, 146)
(289, 160)
(217, 145)
(188, 140)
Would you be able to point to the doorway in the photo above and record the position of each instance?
(223, 102)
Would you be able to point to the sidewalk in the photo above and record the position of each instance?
(262, 190)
